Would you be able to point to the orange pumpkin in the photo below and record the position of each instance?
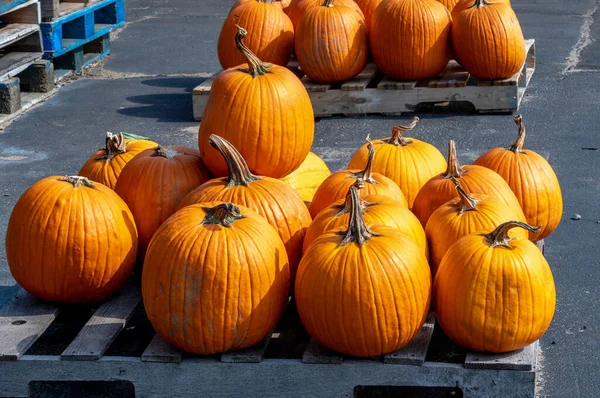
(410, 163)
(154, 183)
(363, 275)
(488, 41)
(410, 39)
(269, 197)
(450, 4)
(216, 279)
(283, 4)
(300, 7)
(494, 293)
(106, 164)
(532, 180)
(271, 37)
(331, 43)
(308, 177)
(473, 179)
(71, 240)
(460, 5)
(336, 186)
(265, 111)
(368, 8)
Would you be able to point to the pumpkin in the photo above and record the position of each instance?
(465, 215)
(71, 240)
(273, 199)
(494, 293)
(300, 7)
(488, 41)
(306, 179)
(331, 43)
(473, 179)
(410, 39)
(532, 179)
(106, 164)
(154, 183)
(216, 278)
(450, 4)
(283, 4)
(409, 162)
(336, 186)
(368, 8)
(265, 111)
(363, 290)
(271, 38)
(460, 5)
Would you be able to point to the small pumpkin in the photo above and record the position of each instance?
(532, 179)
(216, 279)
(368, 8)
(106, 164)
(409, 162)
(473, 179)
(306, 179)
(331, 43)
(265, 111)
(71, 240)
(336, 186)
(494, 293)
(460, 5)
(271, 38)
(300, 7)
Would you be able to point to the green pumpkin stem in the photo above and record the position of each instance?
(499, 237)
(346, 207)
(454, 170)
(114, 145)
(239, 173)
(78, 181)
(256, 67)
(480, 3)
(467, 202)
(358, 231)
(328, 3)
(397, 138)
(366, 175)
(517, 145)
(164, 152)
(224, 215)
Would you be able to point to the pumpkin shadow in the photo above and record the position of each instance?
(7, 292)
(186, 83)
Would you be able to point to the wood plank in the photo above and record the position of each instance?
(103, 327)
(15, 32)
(317, 354)
(252, 354)
(314, 87)
(204, 87)
(540, 245)
(388, 83)
(7, 6)
(65, 8)
(29, 12)
(523, 359)
(416, 351)
(360, 82)
(12, 64)
(453, 76)
(160, 351)
(22, 320)
(49, 9)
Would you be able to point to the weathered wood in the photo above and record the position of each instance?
(26, 13)
(204, 87)
(12, 64)
(360, 82)
(252, 354)
(453, 76)
(317, 354)
(390, 84)
(159, 351)
(540, 245)
(416, 351)
(16, 31)
(314, 87)
(523, 359)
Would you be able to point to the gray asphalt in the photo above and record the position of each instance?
(158, 57)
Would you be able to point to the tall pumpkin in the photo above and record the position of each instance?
(271, 35)
(331, 43)
(363, 290)
(300, 7)
(265, 111)
(336, 186)
(273, 199)
(154, 183)
(308, 177)
(532, 179)
(460, 5)
(368, 8)
(410, 39)
(106, 164)
(71, 240)
(409, 162)
(473, 179)
(494, 293)
(488, 41)
(216, 279)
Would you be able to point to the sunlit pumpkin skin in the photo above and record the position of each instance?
(450, 4)
(154, 183)
(336, 186)
(299, 7)
(265, 111)
(283, 4)
(308, 177)
(106, 164)
(533, 181)
(271, 35)
(273, 199)
(493, 293)
(368, 8)
(408, 162)
(363, 290)
(488, 41)
(410, 39)
(331, 43)
(473, 179)
(216, 278)
(463, 216)
(460, 5)
(71, 240)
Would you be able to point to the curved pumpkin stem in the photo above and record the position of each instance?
(78, 181)
(467, 202)
(328, 4)
(164, 152)
(366, 175)
(239, 173)
(115, 145)
(346, 207)
(357, 228)
(517, 145)
(397, 131)
(255, 66)
(499, 237)
(480, 3)
(224, 215)
(454, 170)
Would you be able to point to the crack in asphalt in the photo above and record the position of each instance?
(585, 39)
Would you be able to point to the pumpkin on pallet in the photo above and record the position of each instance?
(300, 7)
(264, 111)
(71, 240)
(368, 8)
(307, 178)
(460, 5)
(450, 4)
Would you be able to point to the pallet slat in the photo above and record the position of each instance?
(16, 31)
(388, 83)
(160, 351)
(360, 82)
(252, 354)
(317, 354)
(524, 359)
(314, 87)
(416, 351)
(204, 87)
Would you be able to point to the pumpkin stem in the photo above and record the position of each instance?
(366, 175)
(397, 139)
(164, 152)
(454, 169)
(224, 215)
(346, 207)
(517, 145)
(115, 145)
(480, 3)
(499, 237)
(78, 181)
(357, 228)
(131, 136)
(239, 173)
(328, 3)
(255, 66)
(467, 202)
(266, 1)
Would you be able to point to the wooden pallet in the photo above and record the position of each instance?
(53, 9)
(372, 92)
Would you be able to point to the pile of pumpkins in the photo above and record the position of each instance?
(407, 39)
(226, 232)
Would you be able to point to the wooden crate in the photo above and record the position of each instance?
(53, 9)
(372, 92)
